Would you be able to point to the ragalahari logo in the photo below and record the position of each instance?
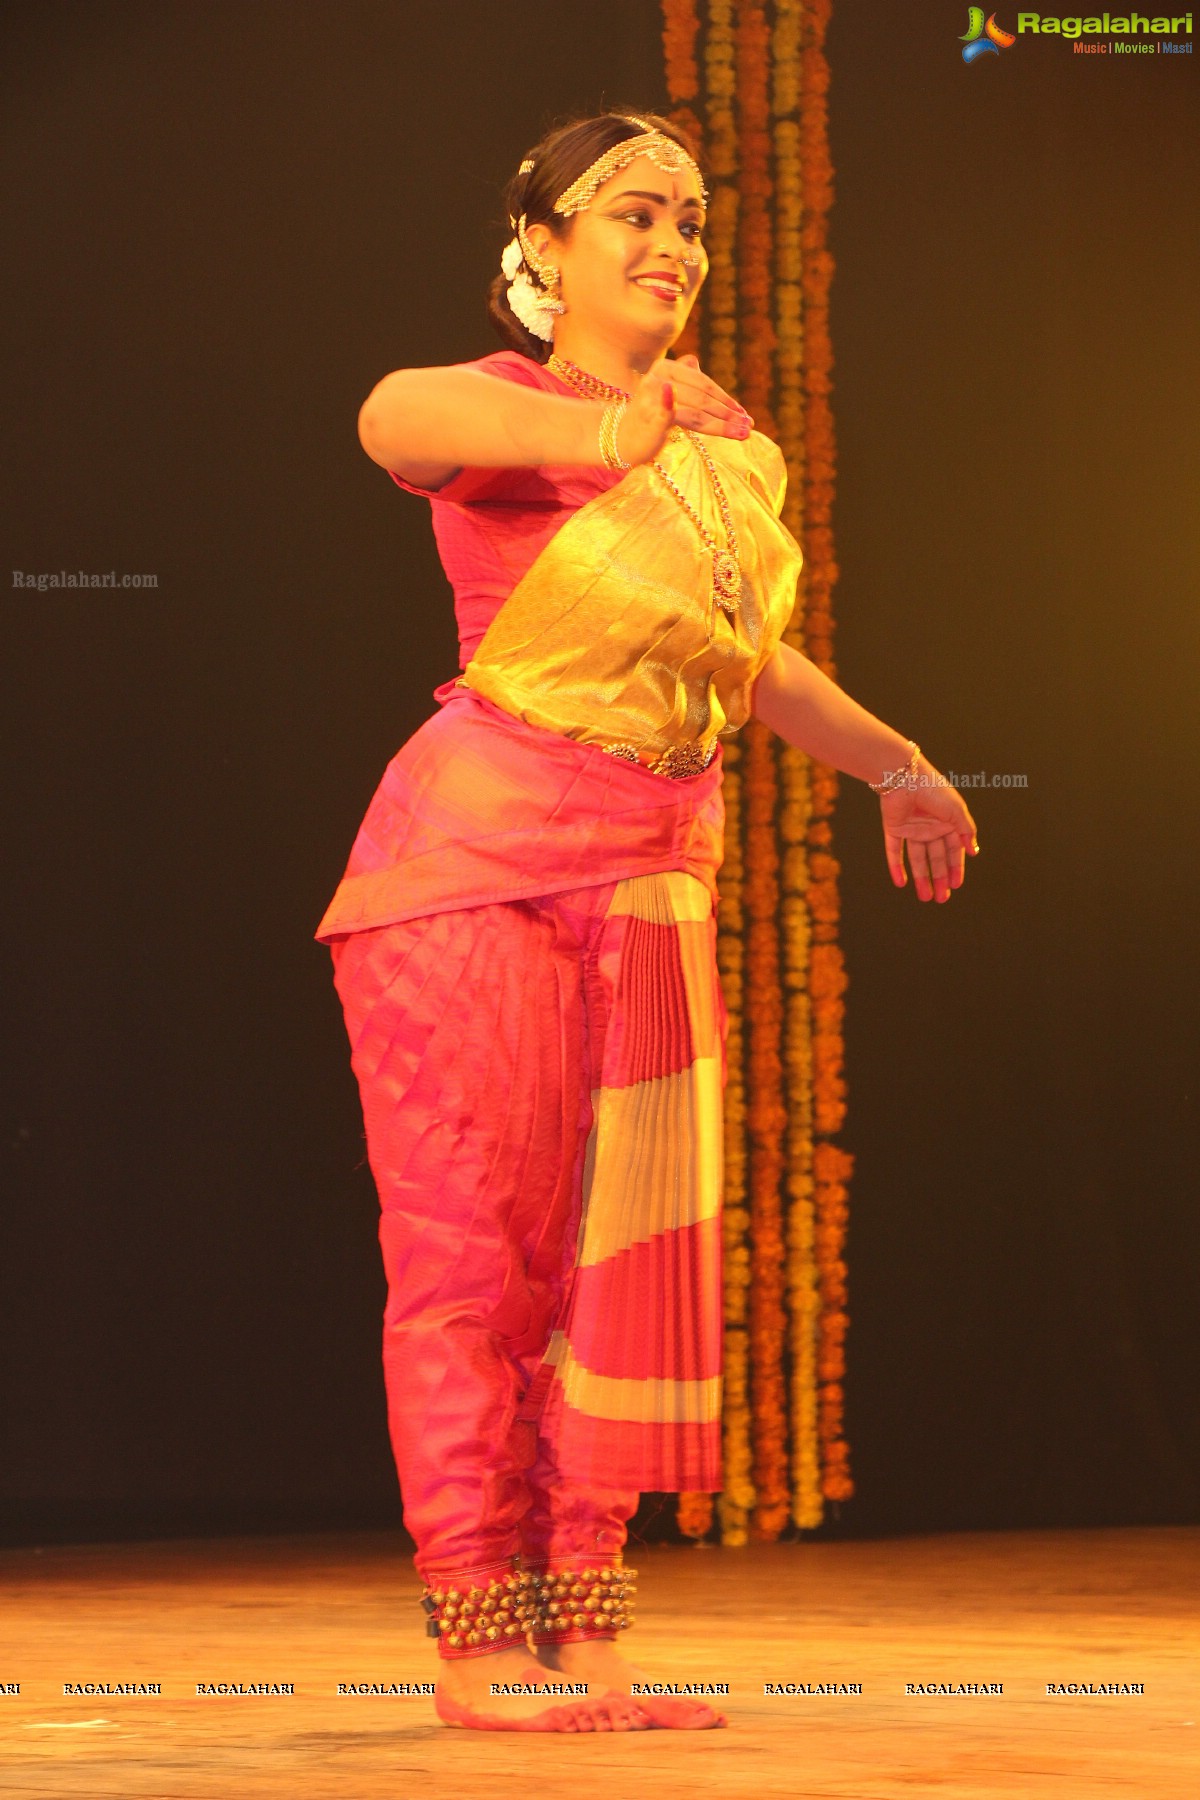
(983, 39)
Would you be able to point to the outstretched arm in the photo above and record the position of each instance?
(426, 424)
(799, 702)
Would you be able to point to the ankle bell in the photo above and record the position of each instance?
(469, 1618)
(571, 1605)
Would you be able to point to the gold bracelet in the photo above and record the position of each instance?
(610, 421)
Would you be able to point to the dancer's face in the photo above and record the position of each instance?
(633, 263)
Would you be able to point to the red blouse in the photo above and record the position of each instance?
(491, 524)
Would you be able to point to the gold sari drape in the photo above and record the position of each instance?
(613, 636)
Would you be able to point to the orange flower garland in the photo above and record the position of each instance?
(803, 1288)
(738, 1496)
(766, 1111)
(721, 231)
(680, 26)
(737, 1500)
(694, 1511)
(833, 1169)
(827, 977)
(765, 332)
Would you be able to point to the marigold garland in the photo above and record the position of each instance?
(720, 78)
(803, 1285)
(766, 1110)
(739, 1496)
(694, 1511)
(680, 27)
(755, 96)
(827, 976)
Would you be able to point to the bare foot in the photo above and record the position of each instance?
(600, 1663)
(469, 1680)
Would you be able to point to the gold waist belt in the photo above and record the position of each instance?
(678, 761)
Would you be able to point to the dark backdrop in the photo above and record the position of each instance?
(224, 223)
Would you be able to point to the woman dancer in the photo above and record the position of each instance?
(524, 940)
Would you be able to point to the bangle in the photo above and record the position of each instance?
(610, 421)
(902, 777)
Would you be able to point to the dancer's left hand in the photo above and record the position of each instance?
(935, 822)
(700, 404)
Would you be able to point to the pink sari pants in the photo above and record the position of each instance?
(475, 1039)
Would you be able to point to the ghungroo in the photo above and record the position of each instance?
(470, 1618)
(573, 1604)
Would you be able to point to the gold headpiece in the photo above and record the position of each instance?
(663, 152)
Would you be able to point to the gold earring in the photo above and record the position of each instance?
(550, 300)
(546, 273)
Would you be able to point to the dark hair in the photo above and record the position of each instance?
(561, 158)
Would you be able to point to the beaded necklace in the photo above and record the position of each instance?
(726, 565)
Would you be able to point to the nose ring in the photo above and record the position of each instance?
(689, 262)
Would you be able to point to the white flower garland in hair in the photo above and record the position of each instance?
(535, 310)
(530, 307)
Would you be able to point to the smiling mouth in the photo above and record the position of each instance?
(666, 286)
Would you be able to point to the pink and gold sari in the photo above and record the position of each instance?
(574, 769)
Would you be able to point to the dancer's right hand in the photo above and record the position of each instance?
(674, 393)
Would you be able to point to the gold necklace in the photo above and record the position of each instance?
(726, 564)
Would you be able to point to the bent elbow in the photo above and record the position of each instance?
(378, 417)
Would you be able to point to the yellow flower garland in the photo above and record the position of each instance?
(832, 1166)
(795, 811)
(766, 1109)
(765, 334)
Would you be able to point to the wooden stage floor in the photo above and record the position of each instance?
(1021, 1609)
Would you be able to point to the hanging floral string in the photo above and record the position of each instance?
(694, 1511)
(766, 1111)
(803, 1290)
(755, 96)
(712, 336)
(827, 975)
(737, 1501)
(681, 25)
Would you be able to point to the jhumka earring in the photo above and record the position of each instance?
(536, 310)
